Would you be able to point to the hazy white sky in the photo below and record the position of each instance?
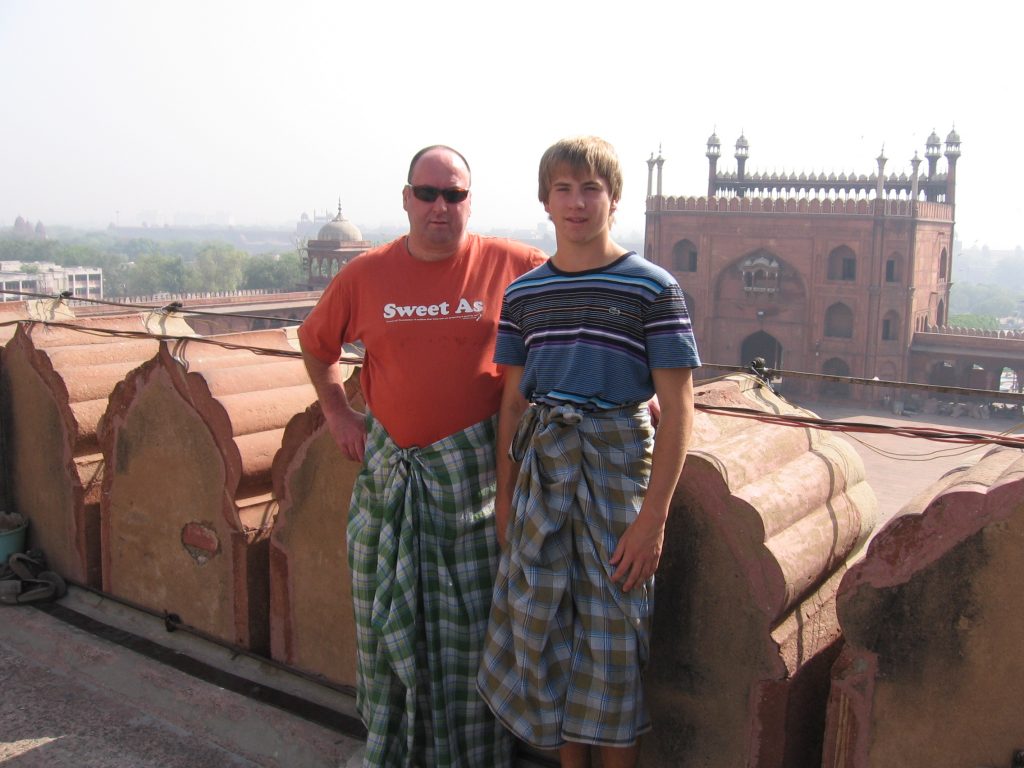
(260, 111)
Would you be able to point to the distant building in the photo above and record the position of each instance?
(336, 243)
(307, 228)
(842, 274)
(24, 229)
(49, 279)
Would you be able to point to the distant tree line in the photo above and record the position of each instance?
(987, 287)
(140, 267)
(993, 301)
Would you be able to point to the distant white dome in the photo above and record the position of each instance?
(339, 229)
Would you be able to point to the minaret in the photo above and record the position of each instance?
(742, 150)
(915, 178)
(952, 153)
(650, 174)
(932, 151)
(713, 153)
(880, 184)
(659, 161)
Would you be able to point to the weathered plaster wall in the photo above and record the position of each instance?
(764, 521)
(311, 589)
(187, 504)
(55, 383)
(934, 624)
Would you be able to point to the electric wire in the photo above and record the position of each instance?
(850, 428)
(173, 306)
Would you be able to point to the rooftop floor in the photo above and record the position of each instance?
(83, 684)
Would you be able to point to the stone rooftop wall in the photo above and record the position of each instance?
(187, 506)
(933, 669)
(310, 587)
(55, 383)
(12, 315)
(224, 502)
(764, 522)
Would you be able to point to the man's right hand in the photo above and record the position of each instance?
(348, 428)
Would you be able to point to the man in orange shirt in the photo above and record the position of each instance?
(421, 537)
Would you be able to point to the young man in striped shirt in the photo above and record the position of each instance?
(586, 340)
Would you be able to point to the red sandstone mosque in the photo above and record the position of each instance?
(846, 274)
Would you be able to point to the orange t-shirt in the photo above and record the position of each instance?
(428, 328)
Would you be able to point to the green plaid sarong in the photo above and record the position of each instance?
(565, 645)
(423, 555)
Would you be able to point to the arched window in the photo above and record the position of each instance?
(890, 326)
(892, 269)
(684, 257)
(842, 264)
(943, 264)
(839, 321)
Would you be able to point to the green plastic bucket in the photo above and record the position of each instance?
(12, 541)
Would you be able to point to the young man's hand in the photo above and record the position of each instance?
(638, 553)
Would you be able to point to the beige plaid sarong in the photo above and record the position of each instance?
(565, 645)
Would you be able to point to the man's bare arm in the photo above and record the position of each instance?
(639, 550)
(347, 425)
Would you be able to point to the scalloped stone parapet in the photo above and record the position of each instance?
(56, 382)
(933, 617)
(764, 522)
(311, 625)
(187, 504)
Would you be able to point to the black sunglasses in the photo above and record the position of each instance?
(429, 194)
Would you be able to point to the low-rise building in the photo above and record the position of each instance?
(18, 278)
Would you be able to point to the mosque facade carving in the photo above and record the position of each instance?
(845, 274)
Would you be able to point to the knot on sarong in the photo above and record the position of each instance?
(561, 414)
(543, 415)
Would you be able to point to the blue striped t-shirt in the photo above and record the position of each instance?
(591, 338)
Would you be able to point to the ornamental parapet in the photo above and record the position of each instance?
(802, 205)
(187, 505)
(56, 383)
(969, 341)
(988, 333)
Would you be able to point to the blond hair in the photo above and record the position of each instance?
(588, 154)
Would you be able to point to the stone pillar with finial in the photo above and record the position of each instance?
(915, 178)
(714, 151)
(952, 153)
(932, 151)
(742, 151)
(880, 181)
(659, 161)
